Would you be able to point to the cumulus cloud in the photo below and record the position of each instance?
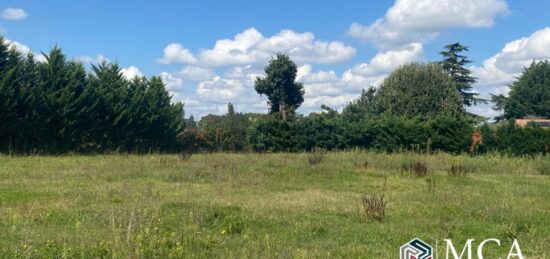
(13, 14)
(196, 73)
(376, 70)
(226, 72)
(502, 68)
(175, 53)
(131, 72)
(236, 84)
(25, 50)
(251, 47)
(176, 81)
(384, 62)
(422, 20)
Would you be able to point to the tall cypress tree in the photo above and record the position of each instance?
(166, 120)
(62, 83)
(10, 69)
(112, 91)
(30, 107)
(138, 112)
(453, 62)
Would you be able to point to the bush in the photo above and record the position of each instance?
(374, 206)
(392, 134)
(272, 134)
(450, 134)
(418, 169)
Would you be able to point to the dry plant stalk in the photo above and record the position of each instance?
(374, 206)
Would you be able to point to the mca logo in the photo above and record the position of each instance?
(416, 249)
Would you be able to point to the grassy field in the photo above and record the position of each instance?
(266, 205)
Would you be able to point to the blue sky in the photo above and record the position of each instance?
(337, 59)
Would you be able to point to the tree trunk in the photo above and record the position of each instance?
(282, 109)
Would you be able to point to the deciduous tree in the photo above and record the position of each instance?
(284, 93)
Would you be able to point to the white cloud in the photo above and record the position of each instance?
(251, 47)
(422, 20)
(226, 72)
(22, 48)
(13, 14)
(221, 88)
(173, 83)
(131, 72)
(236, 84)
(188, 74)
(25, 50)
(196, 73)
(176, 53)
(384, 62)
(485, 110)
(91, 60)
(502, 68)
(212, 95)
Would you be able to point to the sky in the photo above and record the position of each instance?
(208, 53)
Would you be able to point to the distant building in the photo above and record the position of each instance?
(543, 123)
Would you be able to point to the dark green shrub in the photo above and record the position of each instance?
(449, 134)
(272, 134)
(515, 140)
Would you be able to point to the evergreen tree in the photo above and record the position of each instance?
(166, 120)
(453, 62)
(529, 95)
(10, 95)
(284, 93)
(30, 108)
(230, 109)
(110, 109)
(56, 107)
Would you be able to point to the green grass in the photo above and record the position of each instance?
(266, 205)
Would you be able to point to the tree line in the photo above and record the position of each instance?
(58, 106)
(418, 107)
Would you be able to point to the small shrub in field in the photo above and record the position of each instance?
(316, 156)
(418, 169)
(374, 206)
(458, 170)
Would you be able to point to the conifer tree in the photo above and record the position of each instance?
(454, 63)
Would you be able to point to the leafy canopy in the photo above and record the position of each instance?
(285, 95)
(418, 91)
